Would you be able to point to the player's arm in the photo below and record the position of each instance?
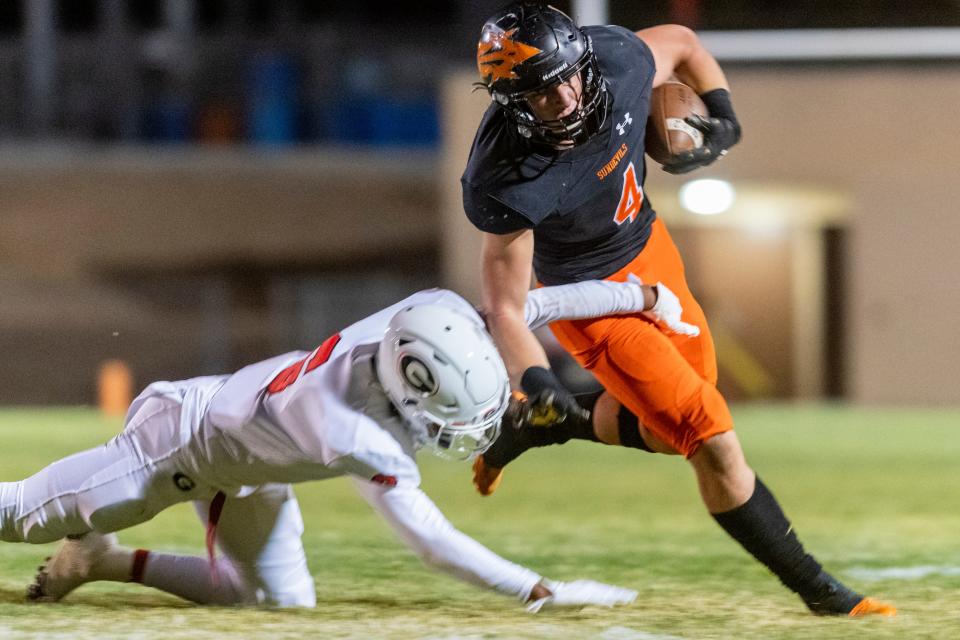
(678, 52)
(588, 299)
(507, 261)
(596, 298)
(506, 274)
(421, 525)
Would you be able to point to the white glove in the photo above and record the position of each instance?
(581, 593)
(667, 310)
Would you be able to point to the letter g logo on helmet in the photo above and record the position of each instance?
(417, 375)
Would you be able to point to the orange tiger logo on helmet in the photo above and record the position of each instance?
(498, 53)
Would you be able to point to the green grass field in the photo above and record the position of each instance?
(867, 490)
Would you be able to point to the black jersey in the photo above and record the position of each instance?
(586, 205)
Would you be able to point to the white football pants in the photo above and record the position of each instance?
(136, 475)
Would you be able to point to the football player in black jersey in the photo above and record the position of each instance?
(555, 180)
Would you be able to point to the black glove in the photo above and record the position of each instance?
(548, 401)
(720, 132)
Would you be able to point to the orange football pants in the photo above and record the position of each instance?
(667, 380)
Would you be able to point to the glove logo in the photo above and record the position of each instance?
(678, 124)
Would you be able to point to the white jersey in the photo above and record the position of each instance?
(300, 416)
(313, 415)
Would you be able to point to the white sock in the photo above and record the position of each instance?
(189, 577)
(114, 565)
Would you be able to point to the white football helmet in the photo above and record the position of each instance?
(441, 371)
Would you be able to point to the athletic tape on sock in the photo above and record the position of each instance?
(139, 567)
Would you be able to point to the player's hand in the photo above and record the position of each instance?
(581, 593)
(550, 407)
(719, 134)
(548, 401)
(667, 310)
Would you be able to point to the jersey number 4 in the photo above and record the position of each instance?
(630, 198)
(292, 373)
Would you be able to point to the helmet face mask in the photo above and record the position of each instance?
(445, 377)
(526, 50)
(458, 443)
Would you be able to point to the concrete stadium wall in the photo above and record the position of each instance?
(192, 261)
(67, 212)
(882, 135)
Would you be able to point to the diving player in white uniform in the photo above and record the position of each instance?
(423, 372)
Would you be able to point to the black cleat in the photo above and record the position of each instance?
(832, 598)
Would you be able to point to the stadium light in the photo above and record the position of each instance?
(707, 197)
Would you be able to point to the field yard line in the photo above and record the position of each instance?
(902, 573)
(611, 633)
(626, 633)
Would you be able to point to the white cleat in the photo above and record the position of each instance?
(73, 564)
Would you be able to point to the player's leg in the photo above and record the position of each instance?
(739, 501)
(98, 557)
(660, 261)
(261, 536)
(192, 577)
(263, 561)
(124, 482)
(642, 367)
(87, 496)
(749, 513)
(46, 506)
(189, 577)
(616, 425)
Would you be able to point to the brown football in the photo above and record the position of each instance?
(667, 130)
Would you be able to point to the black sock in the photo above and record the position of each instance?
(629, 428)
(760, 526)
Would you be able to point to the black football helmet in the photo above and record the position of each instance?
(528, 47)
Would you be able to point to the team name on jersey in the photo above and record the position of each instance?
(614, 161)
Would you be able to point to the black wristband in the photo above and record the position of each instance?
(719, 104)
(537, 379)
